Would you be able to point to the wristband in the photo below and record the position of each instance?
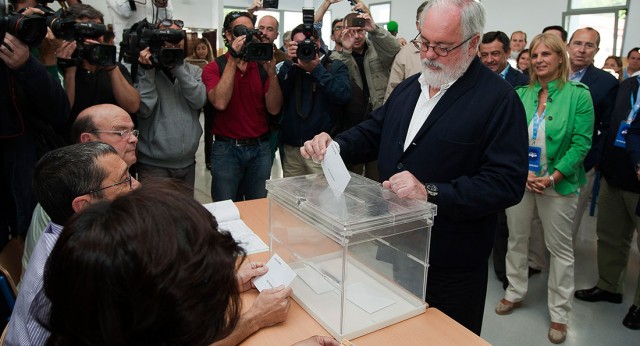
(553, 181)
(64, 64)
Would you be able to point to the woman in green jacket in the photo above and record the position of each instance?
(560, 117)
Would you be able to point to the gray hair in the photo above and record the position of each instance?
(472, 13)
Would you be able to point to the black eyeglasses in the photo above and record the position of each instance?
(169, 22)
(125, 181)
(440, 51)
(121, 133)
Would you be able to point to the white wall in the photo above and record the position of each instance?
(508, 16)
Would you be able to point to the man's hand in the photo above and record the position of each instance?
(48, 48)
(256, 5)
(309, 65)
(316, 147)
(369, 24)
(361, 7)
(270, 67)
(271, 306)
(292, 50)
(145, 56)
(318, 340)
(13, 52)
(348, 37)
(406, 185)
(248, 271)
(237, 44)
(66, 49)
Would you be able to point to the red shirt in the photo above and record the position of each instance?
(246, 114)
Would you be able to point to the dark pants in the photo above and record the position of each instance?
(186, 175)
(459, 294)
(209, 112)
(500, 246)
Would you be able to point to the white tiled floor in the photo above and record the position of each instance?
(591, 323)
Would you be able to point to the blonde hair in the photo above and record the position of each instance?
(204, 41)
(557, 46)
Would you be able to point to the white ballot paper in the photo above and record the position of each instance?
(367, 298)
(228, 217)
(334, 169)
(279, 274)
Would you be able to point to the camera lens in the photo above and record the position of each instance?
(240, 30)
(31, 30)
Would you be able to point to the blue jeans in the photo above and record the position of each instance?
(239, 172)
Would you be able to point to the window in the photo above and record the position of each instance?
(606, 16)
(381, 13)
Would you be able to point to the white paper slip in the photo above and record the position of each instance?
(249, 241)
(223, 211)
(279, 274)
(367, 298)
(335, 170)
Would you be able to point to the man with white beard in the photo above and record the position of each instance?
(455, 135)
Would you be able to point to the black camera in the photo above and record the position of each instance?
(253, 49)
(67, 29)
(142, 35)
(30, 29)
(307, 49)
(270, 4)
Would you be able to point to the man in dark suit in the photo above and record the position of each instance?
(493, 52)
(603, 87)
(617, 203)
(455, 135)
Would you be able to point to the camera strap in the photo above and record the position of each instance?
(132, 4)
(64, 64)
(233, 52)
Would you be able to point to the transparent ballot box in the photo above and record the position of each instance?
(361, 258)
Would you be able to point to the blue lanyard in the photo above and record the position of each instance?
(537, 120)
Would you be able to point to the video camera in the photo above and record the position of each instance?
(103, 55)
(253, 49)
(142, 35)
(30, 29)
(307, 49)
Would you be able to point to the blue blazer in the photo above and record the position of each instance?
(473, 147)
(603, 88)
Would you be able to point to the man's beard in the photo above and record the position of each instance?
(437, 78)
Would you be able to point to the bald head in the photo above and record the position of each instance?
(268, 25)
(109, 124)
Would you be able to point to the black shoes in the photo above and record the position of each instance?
(632, 320)
(596, 294)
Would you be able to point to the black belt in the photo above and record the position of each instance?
(242, 142)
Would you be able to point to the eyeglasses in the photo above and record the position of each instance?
(337, 28)
(586, 45)
(169, 22)
(440, 51)
(127, 180)
(121, 133)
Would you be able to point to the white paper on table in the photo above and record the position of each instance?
(249, 241)
(367, 298)
(315, 280)
(223, 211)
(279, 274)
(335, 170)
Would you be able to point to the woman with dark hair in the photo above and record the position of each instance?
(151, 268)
(146, 269)
(523, 61)
(560, 118)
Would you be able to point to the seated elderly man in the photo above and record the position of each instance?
(105, 123)
(66, 180)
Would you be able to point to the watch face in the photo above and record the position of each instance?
(431, 189)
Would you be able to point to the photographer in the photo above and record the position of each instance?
(244, 94)
(171, 97)
(372, 57)
(124, 13)
(87, 84)
(31, 101)
(312, 85)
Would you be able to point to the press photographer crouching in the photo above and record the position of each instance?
(91, 75)
(172, 94)
(25, 125)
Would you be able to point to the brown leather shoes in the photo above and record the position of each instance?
(557, 332)
(505, 307)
